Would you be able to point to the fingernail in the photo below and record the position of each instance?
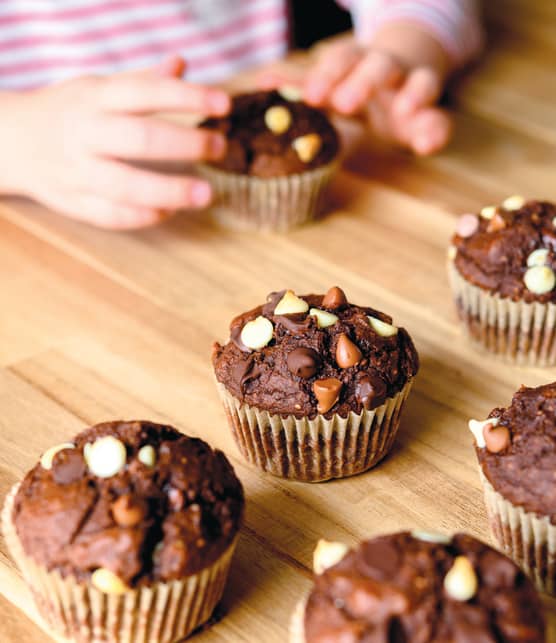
(201, 194)
(219, 103)
(217, 146)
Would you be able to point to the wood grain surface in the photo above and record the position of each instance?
(97, 326)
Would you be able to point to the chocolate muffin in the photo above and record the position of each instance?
(127, 514)
(502, 268)
(418, 588)
(516, 449)
(281, 153)
(313, 386)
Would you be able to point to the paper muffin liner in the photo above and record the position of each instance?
(77, 611)
(297, 625)
(522, 333)
(318, 449)
(267, 204)
(529, 539)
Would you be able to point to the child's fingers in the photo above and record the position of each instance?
(172, 67)
(422, 88)
(113, 215)
(430, 130)
(123, 183)
(376, 71)
(334, 65)
(270, 79)
(149, 138)
(144, 94)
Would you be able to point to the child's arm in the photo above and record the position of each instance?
(69, 145)
(401, 56)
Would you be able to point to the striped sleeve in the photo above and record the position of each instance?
(455, 24)
(48, 41)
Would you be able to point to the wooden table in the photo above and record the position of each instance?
(97, 326)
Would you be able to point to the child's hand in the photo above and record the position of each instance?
(399, 100)
(68, 145)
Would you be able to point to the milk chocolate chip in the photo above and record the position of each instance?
(327, 392)
(497, 438)
(347, 353)
(334, 298)
(304, 362)
(128, 511)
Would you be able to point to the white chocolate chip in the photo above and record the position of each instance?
(307, 146)
(257, 333)
(324, 319)
(291, 304)
(278, 119)
(290, 93)
(382, 328)
(48, 455)
(540, 279)
(431, 537)
(514, 202)
(327, 554)
(452, 252)
(488, 212)
(107, 582)
(106, 456)
(147, 455)
(461, 582)
(476, 427)
(537, 257)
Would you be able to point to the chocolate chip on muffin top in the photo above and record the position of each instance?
(269, 134)
(128, 504)
(510, 250)
(516, 447)
(310, 354)
(422, 588)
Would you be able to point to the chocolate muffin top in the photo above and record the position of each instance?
(269, 135)
(516, 447)
(510, 250)
(314, 354)
(137, 499)
(424, 589)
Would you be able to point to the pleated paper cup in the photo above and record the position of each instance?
(318, 449)
(77, 611)
(521, 333)
(529, 539)
(276, 204)
(297, 622)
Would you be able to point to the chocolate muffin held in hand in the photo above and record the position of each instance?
(280, 155)
(516, 449)
(418, 587)
(269, 135)
(313, 386)
(126, 507)
(502, 267)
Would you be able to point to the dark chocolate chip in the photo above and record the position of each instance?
(304, 362)
(296, 322)
(271, 302)
(370, 390)
(235, 336)
(68, 465)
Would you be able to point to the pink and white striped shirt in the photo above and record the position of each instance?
(47, 41)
